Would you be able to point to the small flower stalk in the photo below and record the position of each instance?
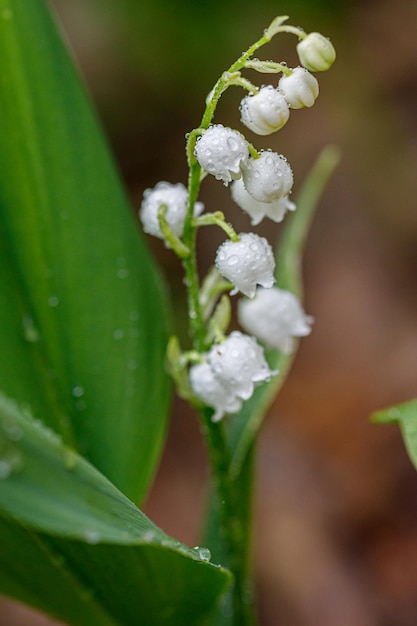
(224, 369)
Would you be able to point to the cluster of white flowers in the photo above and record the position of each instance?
(229, 372)
(261, 186)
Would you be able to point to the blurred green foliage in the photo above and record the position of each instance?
(163, 33)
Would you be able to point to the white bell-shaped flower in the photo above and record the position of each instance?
(300, 88)
(175, 197)
(264, 112)
(221, 152)
(269, 177)
(275, 317)
(211, 390)
(246, 263)
(316, 52)
(275, 210)
(239, 363)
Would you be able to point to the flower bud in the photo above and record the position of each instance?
(268, 178)
(300, 88)
(209, 388)
(239, 363)
(274, 316)
(246, 263)
(275, 210)
(175, 197)
(265, 112)
(316, 52)
(221, 151)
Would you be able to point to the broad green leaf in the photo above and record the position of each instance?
(74, 546)
(245, 425)
(83, 323)
(405, 415)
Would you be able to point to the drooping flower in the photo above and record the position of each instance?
(300, 88)
(268, 178)
(264, 112)
(246, 263)
(221, 152)
(275, 317)
(316, 52)
(239, 363)
(275, 210)
(175, 198)
(210, 389)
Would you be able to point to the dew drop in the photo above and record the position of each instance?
(5, 469)
(78, 391)
(203, 553)
(118, 334)
(13, 431)
(233, 144)
(394, 413)
(233, 260)
(149, 536)
(92, 536)
(30, 332)
(123, 273)
(53, 301)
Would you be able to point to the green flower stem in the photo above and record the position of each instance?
(239, 81)
(230, 534)
(217, 219)
(301, 34)
(267, 67)
(213, 286)
(170, 237)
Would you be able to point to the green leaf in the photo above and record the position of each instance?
(405, 415)
(83, 322)
(245, 425)
(74, 546)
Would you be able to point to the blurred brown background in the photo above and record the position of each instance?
(336, 510)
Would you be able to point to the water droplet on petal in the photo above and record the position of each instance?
(233, 259)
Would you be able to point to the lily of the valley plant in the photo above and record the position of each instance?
(221, 371)
(84, 335)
